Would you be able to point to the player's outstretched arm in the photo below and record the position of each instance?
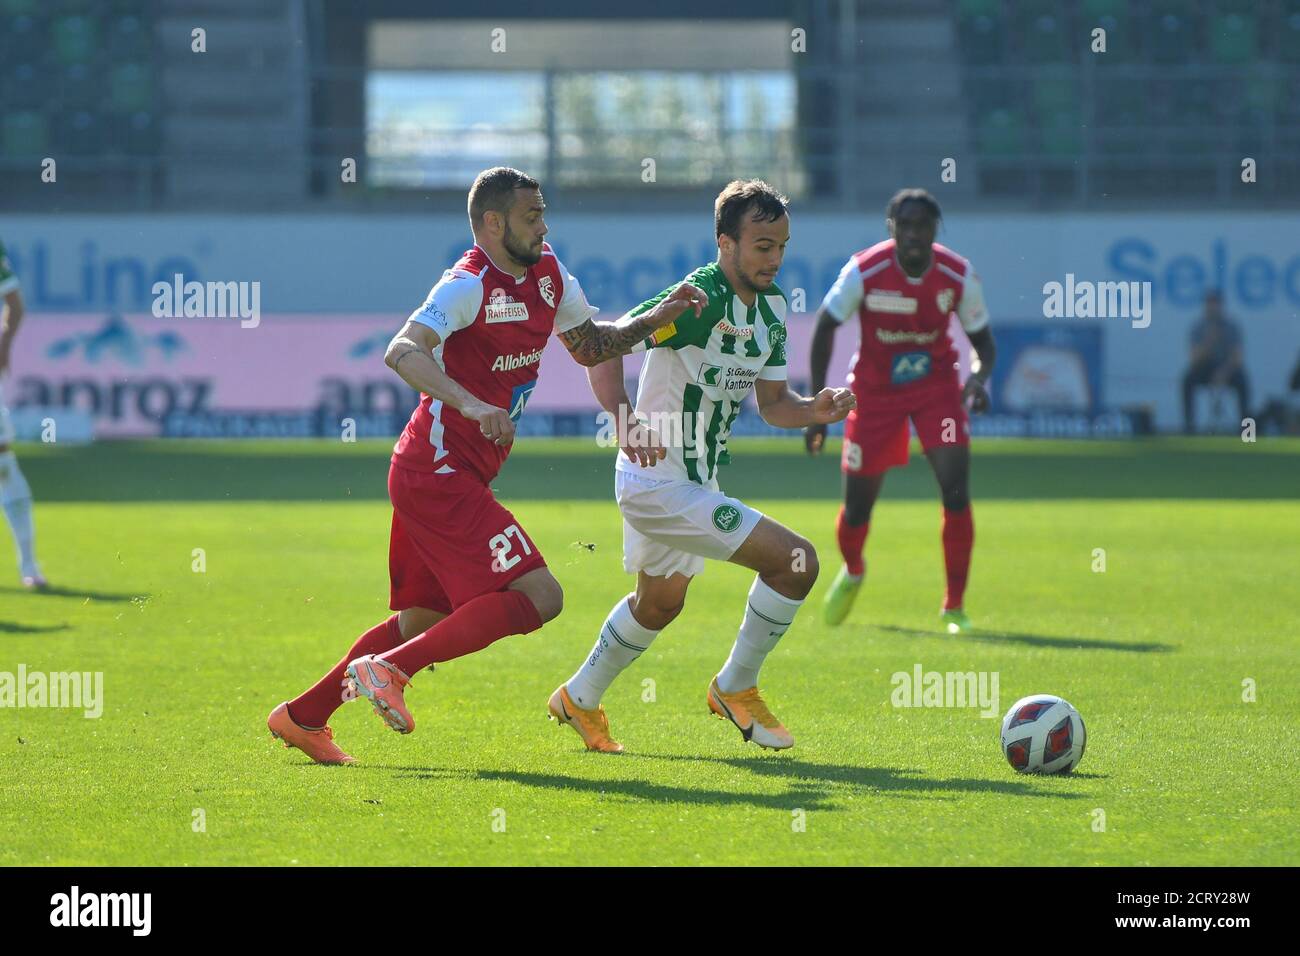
(783, 408)
(823, 344)
(410, 355)
(639, 442)
(594, 342)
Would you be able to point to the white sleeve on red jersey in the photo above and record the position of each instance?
(970, 310)
(451, 304)
(845, 295)
(574, 308)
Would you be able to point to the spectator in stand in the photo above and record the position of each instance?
(1216, 359)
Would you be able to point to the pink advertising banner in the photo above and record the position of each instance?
(138, 375)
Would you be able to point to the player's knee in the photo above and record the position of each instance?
(956, 499)
(550, 602)
(547, 596)
(814, 566)
(794, 573)
(805, 567)
(414, 621)
(857, 512)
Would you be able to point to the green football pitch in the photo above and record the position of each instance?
(1181, 655)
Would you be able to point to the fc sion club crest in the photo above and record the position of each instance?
(546, 291)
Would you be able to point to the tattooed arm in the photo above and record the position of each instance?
(593, 342)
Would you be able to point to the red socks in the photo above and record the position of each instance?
(313, 708)
(958, 538)
(471, 627)
(851, 538)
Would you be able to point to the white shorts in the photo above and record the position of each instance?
(6, 426)
(670, 527)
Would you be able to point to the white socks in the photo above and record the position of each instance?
(622, 640)
(16, 499)
(768, 615)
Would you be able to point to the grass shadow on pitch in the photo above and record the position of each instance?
(53, 591)
(1039, 640)
(891, 781)
(14, 627)
(810, 786)
(801, 794)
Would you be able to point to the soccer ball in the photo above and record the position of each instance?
(1043, 734)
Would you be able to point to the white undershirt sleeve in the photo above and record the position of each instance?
(845, 295)
(451, 304)
(970, 310)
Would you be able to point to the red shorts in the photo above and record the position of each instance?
(451, 541)
(876, 434)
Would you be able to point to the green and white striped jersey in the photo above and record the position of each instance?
(700, 369)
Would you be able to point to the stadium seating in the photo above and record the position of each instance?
(1002, 133)
(1170, 34)
(1233, 38)
(1182, 83)
(1112, 16)
(1043, 40)
(77, 81)
(25, 134)
(1199, 76)
(1289, 38)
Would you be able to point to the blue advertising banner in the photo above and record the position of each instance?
(1048, 366)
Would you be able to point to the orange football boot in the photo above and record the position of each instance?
(747, 710)
(592, 725)
(382, 683)
(319, 745)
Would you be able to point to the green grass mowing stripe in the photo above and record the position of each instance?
(577, 469)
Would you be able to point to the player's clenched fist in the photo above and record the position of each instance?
(832, 405)
(685, 296)
(493, 422)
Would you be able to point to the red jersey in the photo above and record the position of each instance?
(493, 328)
(905, 342)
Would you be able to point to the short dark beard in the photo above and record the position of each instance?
(744, 276)
(520, 253)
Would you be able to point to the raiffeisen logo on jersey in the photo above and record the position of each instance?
(726, 328)
(502, 308)
(508, 363)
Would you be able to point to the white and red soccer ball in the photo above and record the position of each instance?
(1043, 734)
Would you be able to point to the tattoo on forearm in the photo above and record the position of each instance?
(593, 342)
(405, 352)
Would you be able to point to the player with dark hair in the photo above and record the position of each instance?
(463, 571)
(903, 291)
(697, 374)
